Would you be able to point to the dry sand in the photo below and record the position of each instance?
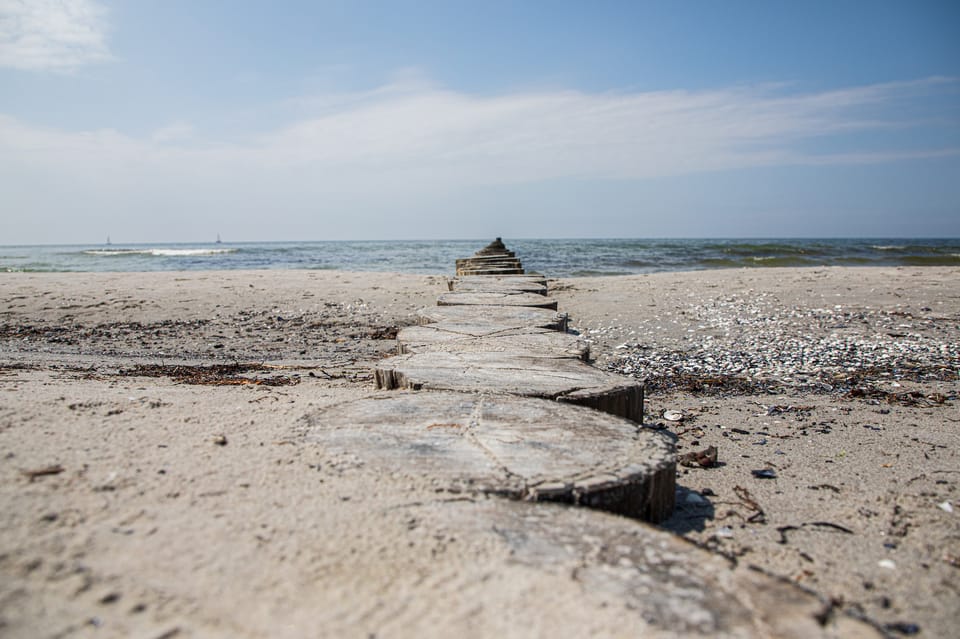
(143, 496)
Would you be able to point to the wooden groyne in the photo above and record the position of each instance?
(493, 259)
(496, 404)
(506, 345)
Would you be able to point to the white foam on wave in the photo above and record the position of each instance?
(160, 252)
(891, 247)
(190, 252)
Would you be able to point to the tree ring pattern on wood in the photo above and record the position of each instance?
(516, 447)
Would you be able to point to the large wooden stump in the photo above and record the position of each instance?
(496, 299)
(662, 586)
(484, 337)
(510, 446)
(565, 380)
(508, 316)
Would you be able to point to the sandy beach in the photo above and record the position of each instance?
(158, 478)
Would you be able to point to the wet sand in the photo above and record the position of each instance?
(156, 481)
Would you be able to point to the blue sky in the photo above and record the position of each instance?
(168, 120)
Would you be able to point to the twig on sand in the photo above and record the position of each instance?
(32, 474)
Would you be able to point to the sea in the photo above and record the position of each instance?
(552, 257)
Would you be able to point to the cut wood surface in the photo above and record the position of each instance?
(538, 277)
(488, 259)
(492, 252)
(531, 376)
(484, 337)
(660, 585)
(488, 264)
(496, 299)
(491, 270)
(521, 448)
(507, 316)
(525, 278)
(498, 255)
(481, 284)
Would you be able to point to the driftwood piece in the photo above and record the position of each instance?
(520, 448)
(512, 316)
(525, 375)
(496, 299)
(486, 337)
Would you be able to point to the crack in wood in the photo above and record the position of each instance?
(469, 433)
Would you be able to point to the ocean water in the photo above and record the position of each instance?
(555, 258)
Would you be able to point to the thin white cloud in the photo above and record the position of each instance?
(876, 157)
(534, 136)
(393, 147)
(52, 35)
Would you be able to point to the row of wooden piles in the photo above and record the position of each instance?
(493, 259)
(516, 386)
(492, 396)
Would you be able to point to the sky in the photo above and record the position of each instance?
(177, 120)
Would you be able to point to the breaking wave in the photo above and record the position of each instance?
(159, 252)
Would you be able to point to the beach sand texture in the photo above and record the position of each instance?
(159, 477)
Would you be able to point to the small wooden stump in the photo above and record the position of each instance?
(491, 270)
(565, 380)
(509, 316)
(484, 337)
(483, 284)
(515, 447)
(494, 247)
(524, 277)
(496, 299)
(486, 260)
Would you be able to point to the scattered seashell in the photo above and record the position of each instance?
(754, 346)
(946, 507)
(887, 563)
(673, 415)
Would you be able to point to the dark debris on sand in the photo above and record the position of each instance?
(213, 375)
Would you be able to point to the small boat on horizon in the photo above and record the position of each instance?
(218, 239)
